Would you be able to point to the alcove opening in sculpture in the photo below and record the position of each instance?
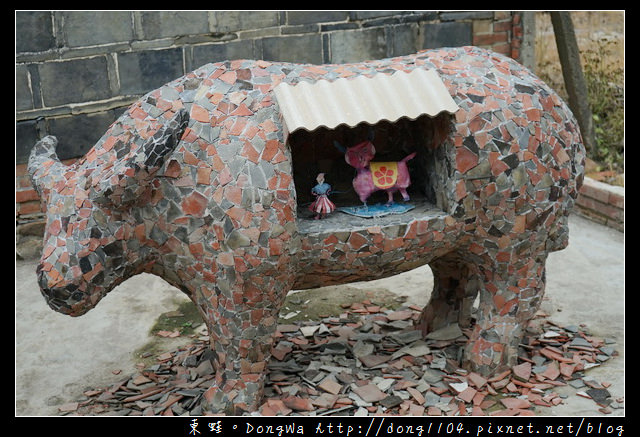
(406, 115)
(318, 151)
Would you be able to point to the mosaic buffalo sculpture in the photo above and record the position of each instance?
(194, 183)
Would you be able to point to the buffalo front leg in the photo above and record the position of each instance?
(455, 288)
(510, 296)
(242, 326)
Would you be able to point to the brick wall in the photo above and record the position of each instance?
(602, 203)
(77, 71)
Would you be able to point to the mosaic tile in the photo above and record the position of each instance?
(194, 183)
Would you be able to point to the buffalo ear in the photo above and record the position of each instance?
(44, 167)
(164, 141)
(129, 179)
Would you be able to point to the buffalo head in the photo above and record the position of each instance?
(89, 243)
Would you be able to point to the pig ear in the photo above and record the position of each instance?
(371, 148)
(130, 178)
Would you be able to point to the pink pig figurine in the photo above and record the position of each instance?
(374, 176)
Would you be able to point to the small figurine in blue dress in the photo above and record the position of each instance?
(322, 205)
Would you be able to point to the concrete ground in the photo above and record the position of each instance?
(58, 357)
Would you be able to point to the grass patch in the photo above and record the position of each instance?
(324, 302)
(301, 306)
(184, 319)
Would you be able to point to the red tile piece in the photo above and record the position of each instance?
(370, 393)
(522, 371)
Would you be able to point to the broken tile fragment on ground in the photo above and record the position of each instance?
(361, 365)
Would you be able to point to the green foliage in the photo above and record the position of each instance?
(605, 85)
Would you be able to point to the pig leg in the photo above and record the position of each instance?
(242, 322)
(510, 295)
(363, 198)
(390, 195)
(454, 290)
(405, 195)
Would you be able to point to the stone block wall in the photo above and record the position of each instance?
(77, 71)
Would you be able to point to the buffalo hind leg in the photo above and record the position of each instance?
(454, 291)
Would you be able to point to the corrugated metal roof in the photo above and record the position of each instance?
(363, 99)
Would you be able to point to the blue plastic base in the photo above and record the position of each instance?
(377, 210)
